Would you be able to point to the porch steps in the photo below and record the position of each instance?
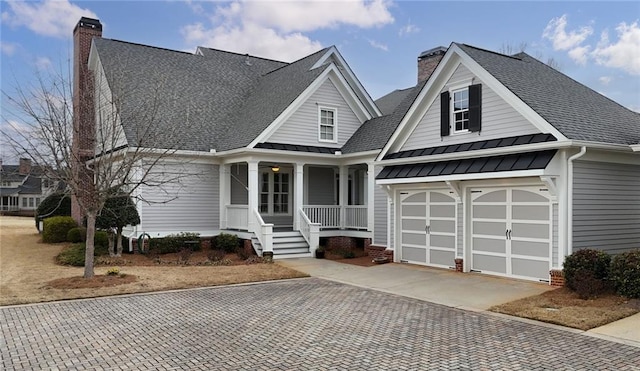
(286, 245)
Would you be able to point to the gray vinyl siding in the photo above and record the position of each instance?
(555, 253)
(380, 214)
(321, 186)
(239, 184)
(192, 205)
(606, 206)
(302, 126)
(499, 119)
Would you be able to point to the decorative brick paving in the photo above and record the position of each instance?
(307, 324)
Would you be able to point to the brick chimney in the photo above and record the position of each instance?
(83, 107)
(25, 166)
(428, 61)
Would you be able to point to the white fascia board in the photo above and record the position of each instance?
(169, 154)
(351, 77)
(478, 176)
(411, 119)
(348, 94)
(477, 153)
(291, 109)
(508, 96)
(635, 147)
(601, 145)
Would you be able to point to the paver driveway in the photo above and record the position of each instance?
(306, 324)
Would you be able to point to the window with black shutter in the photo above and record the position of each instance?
(461, 110)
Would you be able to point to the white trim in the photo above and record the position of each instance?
(570, 161)
(442, 178)
(431, 91)
(635, 147)
(452, 110)
(334, 124)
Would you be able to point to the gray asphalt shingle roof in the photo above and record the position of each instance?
(575, 110)
(375, 133)
(218, 99)
(388, 103)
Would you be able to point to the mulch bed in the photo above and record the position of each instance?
(93, 282)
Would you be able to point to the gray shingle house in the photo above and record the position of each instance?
(22, 188)
(499, 161)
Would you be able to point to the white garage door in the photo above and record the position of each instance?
(511, 232)
(428, 227)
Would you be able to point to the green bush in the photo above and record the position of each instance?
(625, 274)
(77, 234)
(101, 239)
(56, 204)
(227, 242)
(74, 254)
(56, 228)
(585, 263)
(174, 243)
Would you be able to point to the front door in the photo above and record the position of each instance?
(275, 192)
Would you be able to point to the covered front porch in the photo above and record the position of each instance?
(267, 197)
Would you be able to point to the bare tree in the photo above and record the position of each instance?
(131, 145)
(510, 49)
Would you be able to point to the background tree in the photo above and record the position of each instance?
(39, 124)
(510, 49)
(118, 212)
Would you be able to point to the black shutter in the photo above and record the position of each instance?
(475, 107)
(444, 114)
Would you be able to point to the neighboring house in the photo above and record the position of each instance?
(509, 165)
(287, 153)
(22, 188)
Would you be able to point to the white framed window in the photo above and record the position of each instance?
(31, 200)
(460, 110)
(24, 202)
(327, 124)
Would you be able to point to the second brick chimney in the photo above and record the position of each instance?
(428, 61)
(83, 107)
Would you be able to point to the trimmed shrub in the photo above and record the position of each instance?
(227, 242)
(245, 252)
(56, 204)
(74, 254)
(175, 243)
(585, 263)
(56, 228)
(587, 286)
(77, 234)
(215, 255)
(625, 274)
(101, 240)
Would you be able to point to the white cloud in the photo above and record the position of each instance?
(48, 18)
(43, 63)
(8, 48)
(378, 45)
(579, 54)
(556, 32)
(408, 29)
(605, 80)
(275, 29)
(624, 53)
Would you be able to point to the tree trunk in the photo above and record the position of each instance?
(90, 247)
(111, 236)
(119, 242)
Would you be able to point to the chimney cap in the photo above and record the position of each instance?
(92, 23)
(433, 51)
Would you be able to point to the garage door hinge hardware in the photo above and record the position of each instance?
(404, 193)
(404, 261)
(475, 270)
(476, 191)
(547, 281)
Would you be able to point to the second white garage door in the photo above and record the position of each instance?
(511, 232)
(428, 227)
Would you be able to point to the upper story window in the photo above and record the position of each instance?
(460, 110)
(327, 124)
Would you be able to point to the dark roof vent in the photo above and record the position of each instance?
(90, 23)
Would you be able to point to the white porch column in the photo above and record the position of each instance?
(298, 194)
(344, 193)
(225, 194)
(254, 183)
(371, 187)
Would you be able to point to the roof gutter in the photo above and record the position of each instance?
(570, 161)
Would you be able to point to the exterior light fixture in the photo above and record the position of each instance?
(275, 168)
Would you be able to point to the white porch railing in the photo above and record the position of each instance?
(327, 215)
(310, 231)
(355, 216)
(263, 232)
(238, 216)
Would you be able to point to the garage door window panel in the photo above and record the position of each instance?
(481, 244)
(490, 211)
(528, 230)
(530, 212)
(414, 254)
(495, 264)
(530, 248)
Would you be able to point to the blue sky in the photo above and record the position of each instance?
(596, 43)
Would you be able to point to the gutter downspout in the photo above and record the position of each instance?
(583, 150)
